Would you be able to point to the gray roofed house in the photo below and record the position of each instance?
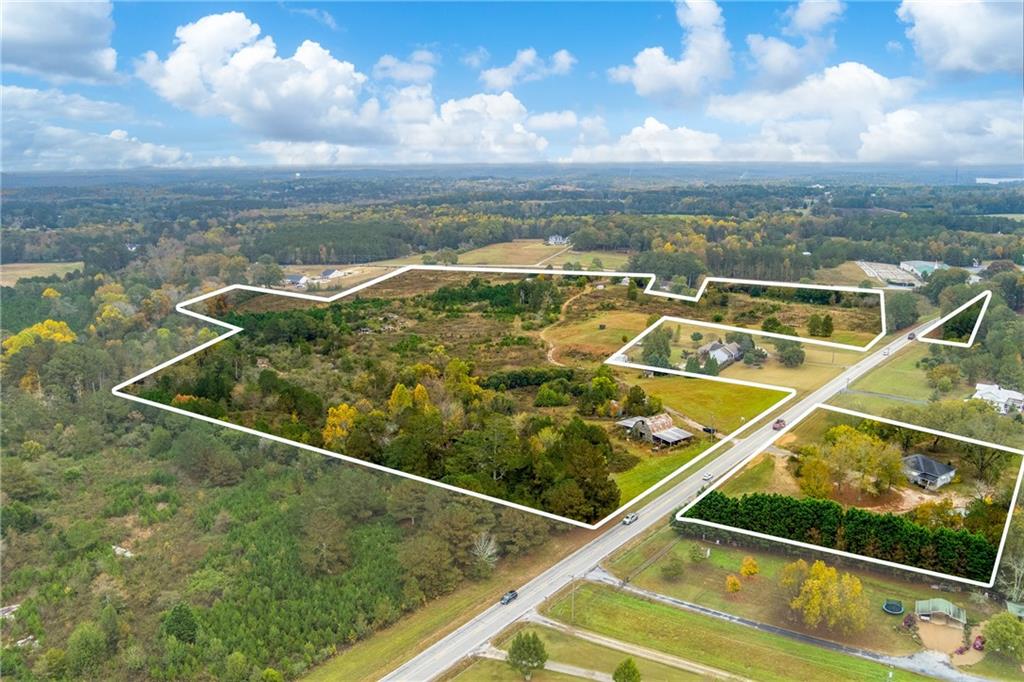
(724, 353)
(300, 281)
(927, 472)
(658, 430)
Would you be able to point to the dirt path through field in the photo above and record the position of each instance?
(561, 313)
(542, 261)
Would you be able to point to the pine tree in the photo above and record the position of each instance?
(826, 326)
(181, 623)
(627, 672)
(527, 653)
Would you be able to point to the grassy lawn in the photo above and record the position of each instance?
(724, 406)
(654, 466)
(519, 252)
(1011, 216)
(899, 376)
(564, 648)
(704, 583)
(371, 658)
(10, 273)
(610, 260)
(730, 647)
(820, 364)
(489, 670)
(757, 476)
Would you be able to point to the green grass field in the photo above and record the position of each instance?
(519, 252)
(1012, 216)
(899, 376)
(564, 648)
(10, 273)
(587, 338)
(610, 260)
(704, 583)
(714, 403)
(654, 466)
(727, 646)
(997, 667)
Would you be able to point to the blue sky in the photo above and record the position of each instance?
(95, 85)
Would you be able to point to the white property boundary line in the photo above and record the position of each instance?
(922, 334)
(680, 515)
(790, 393)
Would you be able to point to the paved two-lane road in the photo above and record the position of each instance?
(478, 632)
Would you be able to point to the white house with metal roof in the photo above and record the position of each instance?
(1004, 400)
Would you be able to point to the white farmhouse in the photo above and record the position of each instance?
(558, 240)
(1003, 399)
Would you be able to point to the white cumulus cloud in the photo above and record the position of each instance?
(59, 41)
(969, 35)
(221, 66)
(986, 131)
(812, 16)
(552, 120)
(418, 68)
(652, 142)
(527, 66)
(705, 58)
(37, 134)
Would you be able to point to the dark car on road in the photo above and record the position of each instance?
(509, 597)
(779, 424)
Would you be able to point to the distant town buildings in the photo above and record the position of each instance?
(1004, 400)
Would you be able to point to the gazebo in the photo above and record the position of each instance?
(1015, 609)
(927, 609)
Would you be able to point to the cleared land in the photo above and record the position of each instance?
(10, 273)
(727, 646)
(610, 260)
(724, 406)
(519, 252)
(760, 599)
(848, 274)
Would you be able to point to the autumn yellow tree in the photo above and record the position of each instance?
(400, 400)
(828, 599)
(732, 584)
(339, 422)
(50, 292)
(748, 567)
(47, 330)
(815, 479)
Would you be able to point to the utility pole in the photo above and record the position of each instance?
(572, 601)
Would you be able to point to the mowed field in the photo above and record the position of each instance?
(710, 403)
(728, 646)
(518, 252)
(654, 466)
(759, 597)
(610, 260)
(847, 274)
(10, 273)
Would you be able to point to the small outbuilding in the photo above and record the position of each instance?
(945, 610)
(926, 472)
(657, 430)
